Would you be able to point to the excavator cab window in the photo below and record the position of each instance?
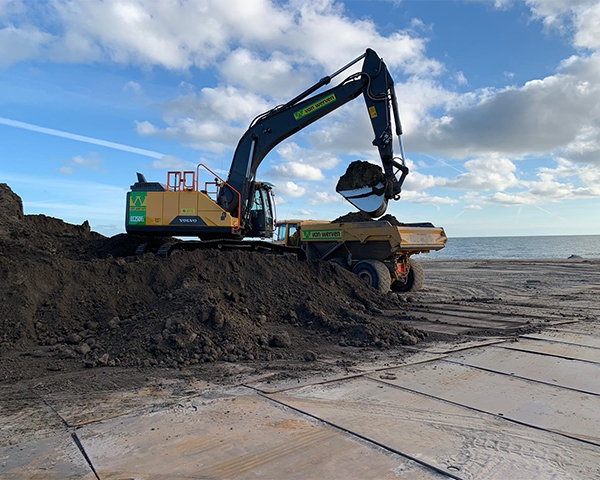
(261, 213)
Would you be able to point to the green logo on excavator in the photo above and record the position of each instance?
(137, 208)
(314, 106)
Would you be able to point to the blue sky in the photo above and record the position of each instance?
(499, 99)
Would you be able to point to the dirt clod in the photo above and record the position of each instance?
(360, 174)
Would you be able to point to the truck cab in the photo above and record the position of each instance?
(288, 231)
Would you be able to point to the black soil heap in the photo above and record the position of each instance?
(84, 296)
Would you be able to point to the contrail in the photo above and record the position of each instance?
(443, 162)
(80, 138)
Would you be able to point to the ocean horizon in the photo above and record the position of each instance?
(518, 248)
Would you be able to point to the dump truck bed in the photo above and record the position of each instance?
(374, 239)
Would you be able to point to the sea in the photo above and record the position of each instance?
(519, 248)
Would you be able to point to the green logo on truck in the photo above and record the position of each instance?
(314, 106)
(137, 208)
(308, 235)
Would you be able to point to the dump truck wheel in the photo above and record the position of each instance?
(414, 281)
(374, 274)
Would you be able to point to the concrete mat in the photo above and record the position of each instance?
(564, 350)
(25, 417)
(434, 327)
(489, 323)
(81, 408)
(352, 370)
(441, 348)
(243, 436)
(386, 363)
(272, 384)
(566, 337)
(587, 328)
(544, 406)
(561, 372)
(50, 458)
(460, 441)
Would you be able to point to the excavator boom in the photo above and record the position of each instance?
(374, 82)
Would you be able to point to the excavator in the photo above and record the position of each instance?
(222, 212)
(240, 206)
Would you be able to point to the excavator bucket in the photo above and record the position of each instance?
(370, 200)
(364, 186)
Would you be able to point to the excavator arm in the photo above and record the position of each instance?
(274, 126)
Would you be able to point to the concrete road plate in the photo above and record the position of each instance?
(581, 327)
(81, 408)
(442, 348)
(25, 417)
(566, 337)
(243, 436)
(50, 458)
(456, 440)
(564, 350)
(543, 406)
(557, 371)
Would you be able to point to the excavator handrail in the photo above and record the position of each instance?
(222, 182)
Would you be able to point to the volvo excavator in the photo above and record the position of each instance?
(201, 204)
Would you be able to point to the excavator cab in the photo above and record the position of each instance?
(262, 211)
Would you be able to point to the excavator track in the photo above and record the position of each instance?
(168, 249)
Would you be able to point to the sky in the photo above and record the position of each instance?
(499, 100)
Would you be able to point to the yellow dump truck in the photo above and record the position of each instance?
(377, 251)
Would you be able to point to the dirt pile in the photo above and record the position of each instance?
(84, 296)
(365, 217)
(360, 174)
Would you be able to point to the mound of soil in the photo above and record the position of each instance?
(360, 174)
(352, 217)
(83, 296)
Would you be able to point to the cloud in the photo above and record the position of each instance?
(486, 173)
(213, 119)
(292, 152)
(92, 162)
(322, 197)
(472, 207)
(276, 76)
(179, 35)
(17, 44)
(145, 128)
(425, 198)
(295, 170)
(260, 49)
(461, 79)
(291, 189)
(132, 87)
(543, 116)
(170, 162)
(304, 212)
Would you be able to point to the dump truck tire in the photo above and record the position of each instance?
(414, 281)
(374, 274)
